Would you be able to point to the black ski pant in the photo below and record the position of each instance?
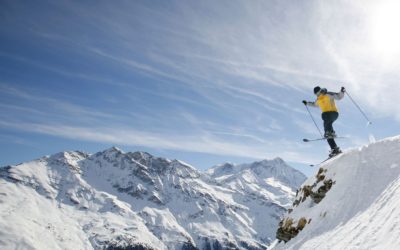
(329, 118)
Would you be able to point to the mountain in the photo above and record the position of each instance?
(118, 200)
(268, 180)
(351, 203)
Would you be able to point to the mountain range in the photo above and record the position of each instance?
(117, 200)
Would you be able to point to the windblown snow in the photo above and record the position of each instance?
(117, 200)
(361, 209)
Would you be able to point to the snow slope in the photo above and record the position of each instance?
(111, 199)
(361, 210)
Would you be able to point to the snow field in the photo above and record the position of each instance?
(360, 211)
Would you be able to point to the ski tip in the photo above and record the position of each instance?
(306, 140)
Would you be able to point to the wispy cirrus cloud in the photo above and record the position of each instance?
(222, 77)
(41, 107)
(194, 134)
(203, 143)
(89, 78)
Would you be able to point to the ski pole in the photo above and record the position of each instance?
(312, 118)
(362, 112)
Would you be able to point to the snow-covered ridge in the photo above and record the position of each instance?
(276, 168)
(74, 200)
(361, 208)
(267, 179)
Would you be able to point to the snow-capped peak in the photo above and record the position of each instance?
(222, 169)
(111, 152)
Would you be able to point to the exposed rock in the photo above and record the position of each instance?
(287, 231)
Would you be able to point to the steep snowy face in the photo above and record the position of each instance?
(73, 200)
(352, 203)
(138, 174)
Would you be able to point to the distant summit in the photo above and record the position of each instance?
(274, 175)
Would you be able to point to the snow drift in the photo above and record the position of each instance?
(117, 200)
(361, 208)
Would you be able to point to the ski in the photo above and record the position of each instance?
(327, 159)
(323, 138)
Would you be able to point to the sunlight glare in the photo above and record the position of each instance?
(386, 28)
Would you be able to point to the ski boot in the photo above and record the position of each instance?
(330, 134)
(334, 152)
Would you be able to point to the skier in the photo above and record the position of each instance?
(326, 102)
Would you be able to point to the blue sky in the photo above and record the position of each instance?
(201, 81)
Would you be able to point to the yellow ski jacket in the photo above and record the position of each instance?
(326, 102)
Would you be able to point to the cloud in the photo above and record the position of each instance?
(4, 138)
(269, 102)
(229, 76)
(307, 127)
(149, 70)
(203, 143)
(348, 40)
(62, 71)
(45, 108)
(63, 119)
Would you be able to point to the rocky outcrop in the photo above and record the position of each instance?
(288, 227)
(317, 190)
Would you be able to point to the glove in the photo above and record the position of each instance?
(304, 102)
(343, 89)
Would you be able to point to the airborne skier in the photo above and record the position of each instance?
(326, 102)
